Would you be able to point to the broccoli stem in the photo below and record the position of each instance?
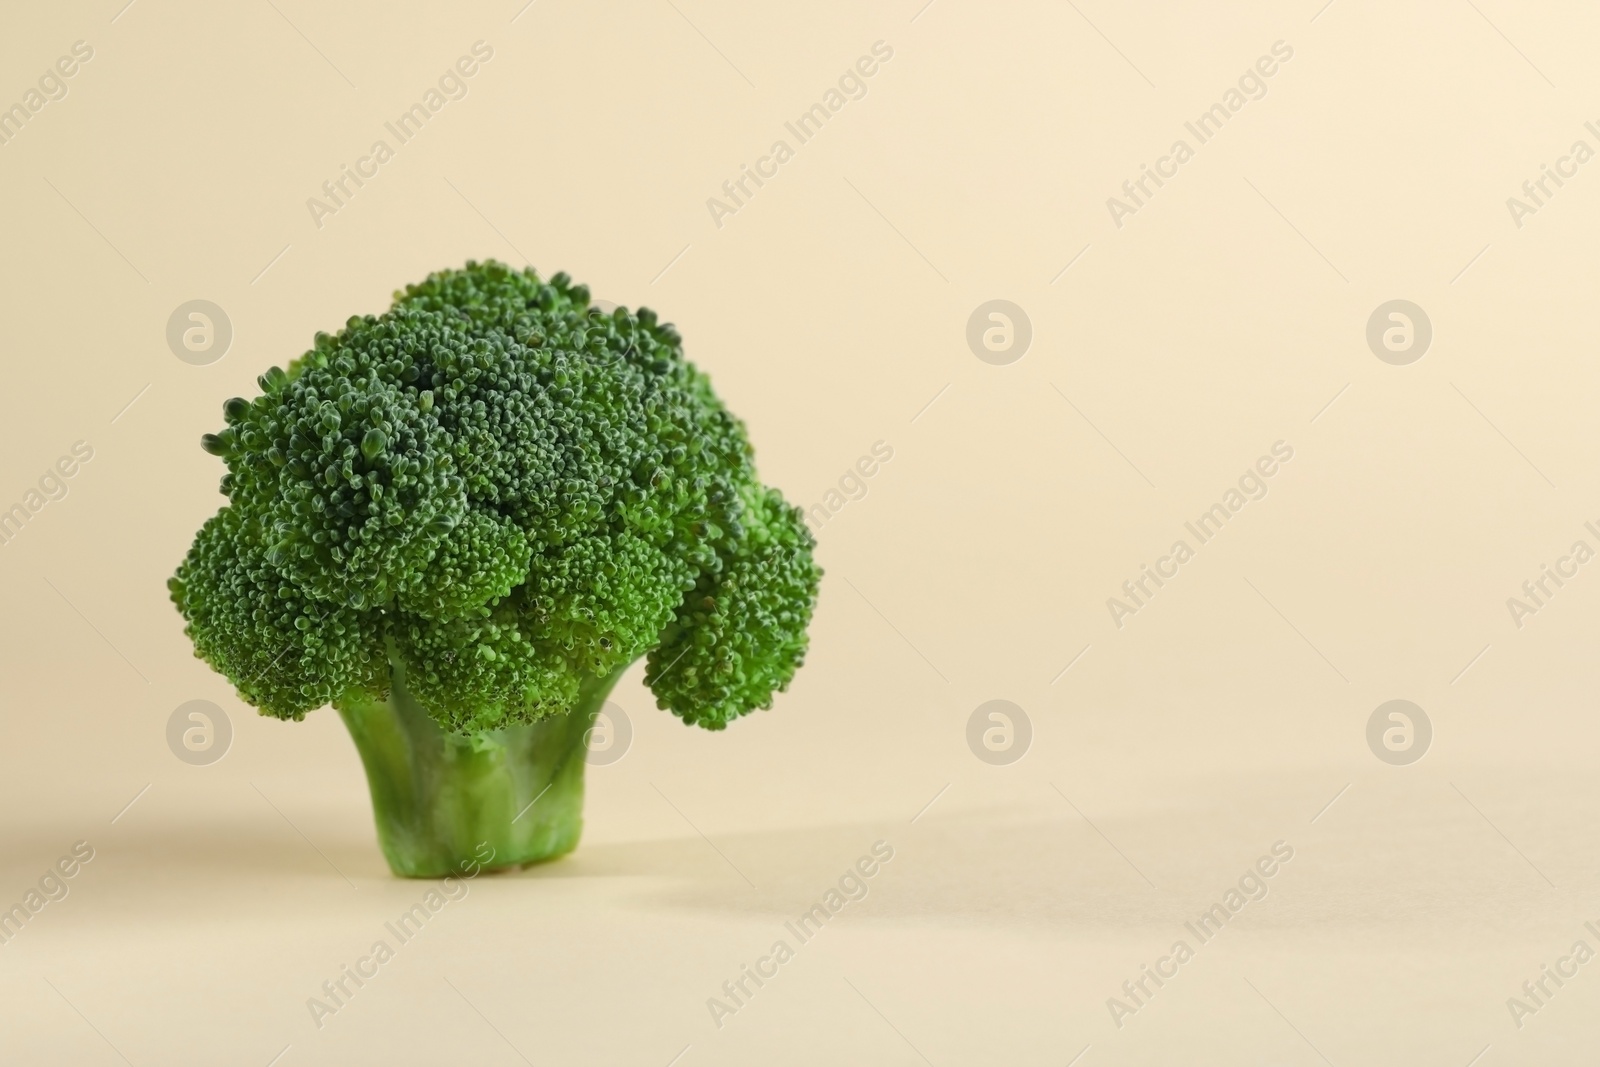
(444, 800)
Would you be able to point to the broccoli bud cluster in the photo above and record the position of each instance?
(507, 490)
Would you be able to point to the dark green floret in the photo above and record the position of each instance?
(506, 495)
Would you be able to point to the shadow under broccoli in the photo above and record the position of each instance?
(460, 521)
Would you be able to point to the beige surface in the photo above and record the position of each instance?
(1220, 318)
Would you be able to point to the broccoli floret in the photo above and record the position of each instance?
(481, 506)
(736, 634)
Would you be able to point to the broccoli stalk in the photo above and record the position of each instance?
(459, 522)
(439, 796)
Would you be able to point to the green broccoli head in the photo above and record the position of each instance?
(506, 491)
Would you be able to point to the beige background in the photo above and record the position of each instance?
(1222, 317)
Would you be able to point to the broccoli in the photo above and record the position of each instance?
(460, 521)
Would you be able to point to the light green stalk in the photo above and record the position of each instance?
(443, 800)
